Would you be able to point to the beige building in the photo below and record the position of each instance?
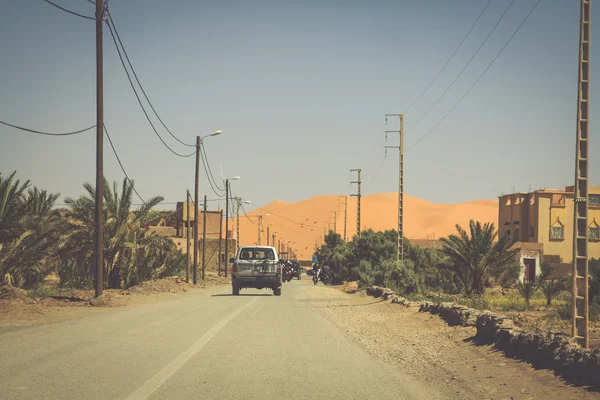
(546, 217)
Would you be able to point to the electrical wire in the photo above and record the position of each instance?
(47, 133)
(463, 69)
(140, 84)
(479, 78)
(208, 177)
(138, 97)
(205, 157)
(449, 59)
(282, 217)
(121, 165)
(69, 11)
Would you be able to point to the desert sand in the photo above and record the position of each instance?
(303, 223)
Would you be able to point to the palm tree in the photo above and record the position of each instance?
(28, 232)
(123, 233)
(477, 257)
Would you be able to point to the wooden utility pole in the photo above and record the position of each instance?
(220, 239)
(580, 305)
(226, 226)
(345, 214)
(400, 147)
(204, 240)
(237, 225)
(268, 234)
(357, 195)
(198, 143)
(259, 223)
(187, 237)
(99, 228)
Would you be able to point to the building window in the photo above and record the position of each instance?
(517, 234)
(595, 234)
(594, 200)
(557, 233)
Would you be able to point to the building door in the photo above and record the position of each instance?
(529, 269)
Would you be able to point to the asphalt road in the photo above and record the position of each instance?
(202, 345)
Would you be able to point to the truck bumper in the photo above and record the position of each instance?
(256, 282)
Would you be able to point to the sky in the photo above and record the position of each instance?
(300, 90)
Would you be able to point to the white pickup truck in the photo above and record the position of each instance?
(256, 267)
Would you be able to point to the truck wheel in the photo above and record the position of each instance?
(236, 289)
(277, 291)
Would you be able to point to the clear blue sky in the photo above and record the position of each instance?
(300, 90)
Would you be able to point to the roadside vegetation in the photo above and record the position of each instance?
(37, 240)
(473, 267)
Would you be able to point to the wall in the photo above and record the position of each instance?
(213, 221)
(212, 248)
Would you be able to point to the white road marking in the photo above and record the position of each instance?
(144, 391)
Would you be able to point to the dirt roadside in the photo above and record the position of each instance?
(424, 346)
(17, 309)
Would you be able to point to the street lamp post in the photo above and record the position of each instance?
(198, 154)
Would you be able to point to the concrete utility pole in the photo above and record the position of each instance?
(400, 147)
(357, 195)
(99, 228)
(198, 143)
(226, 226)
(259, 223)
(187, 237)
(204, 240)
(220, 239)
(345, 203)
(237, 226)
(580, 311)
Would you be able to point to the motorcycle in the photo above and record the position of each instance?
(315, 277)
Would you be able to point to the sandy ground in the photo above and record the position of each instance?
(437, 353)
(18, 310)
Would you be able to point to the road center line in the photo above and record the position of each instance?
(144, 391)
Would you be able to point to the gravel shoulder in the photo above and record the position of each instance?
(424, 346)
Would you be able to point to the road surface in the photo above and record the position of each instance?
(201, 345)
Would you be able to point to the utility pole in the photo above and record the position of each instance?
(357, 195)
(99, 228)
(226, 225)
(400, 147)
(187, 237)
(198, 143)
(204, 240)
(220, 239)
(580, 311)
(267, 235)
(259, 223)
(345, 203)
(237, 226)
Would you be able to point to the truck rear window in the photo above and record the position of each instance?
(253, 253)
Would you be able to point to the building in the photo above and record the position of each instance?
(546, 217)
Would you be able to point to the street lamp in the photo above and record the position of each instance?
(199, 140)
(234, 178)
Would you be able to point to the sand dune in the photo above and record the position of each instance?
(303, 223)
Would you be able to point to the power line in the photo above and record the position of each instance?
(463, 69)
(69, 11)
(282, 217)
(140, 84)
(205, 157)
(480, 76)
(138, 97)
(208, 174)
(121, 164)
(449, 59)
(46, 133)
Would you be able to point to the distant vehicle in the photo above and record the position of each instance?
(256, 267)
(296, 269)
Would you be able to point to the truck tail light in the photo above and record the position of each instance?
(278, 269)
(233, 268)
